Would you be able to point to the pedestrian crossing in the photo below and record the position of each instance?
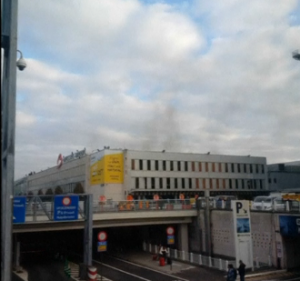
(75, 273)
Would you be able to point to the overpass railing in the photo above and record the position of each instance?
(41, 208)
(193, 258)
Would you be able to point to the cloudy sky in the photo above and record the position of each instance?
(187, 76)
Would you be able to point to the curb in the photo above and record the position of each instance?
(265, 273)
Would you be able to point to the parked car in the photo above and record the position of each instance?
(267, 203)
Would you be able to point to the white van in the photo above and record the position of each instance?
(268, 203)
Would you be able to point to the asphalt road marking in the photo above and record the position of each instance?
(141, 266)
(115, 268)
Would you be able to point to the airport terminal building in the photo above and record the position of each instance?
(118, 173)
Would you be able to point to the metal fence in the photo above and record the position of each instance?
(190, 257)
(39, 208)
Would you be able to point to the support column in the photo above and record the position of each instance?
(183, 237)
(17, 266)
(207, 227)
(9, 35)
(87, 237)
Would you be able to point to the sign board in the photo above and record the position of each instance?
(170, 230)
(102, 246)
(289, 225)
(19, 211)
(66, 207)
(170, 235)
(242, 232)
(102, 236)
(171, 239)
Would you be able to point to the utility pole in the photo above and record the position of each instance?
(8, 111)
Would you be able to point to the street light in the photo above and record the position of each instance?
(296, 55)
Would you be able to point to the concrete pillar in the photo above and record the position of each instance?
(183, 237)
(17, 266)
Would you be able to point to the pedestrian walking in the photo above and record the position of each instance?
(231, 273)
(241, 270)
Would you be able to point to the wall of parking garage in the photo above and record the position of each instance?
(269, 245)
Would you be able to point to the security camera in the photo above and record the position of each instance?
(21, 64)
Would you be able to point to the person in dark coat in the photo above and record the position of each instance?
(241, 270)
(231, 273)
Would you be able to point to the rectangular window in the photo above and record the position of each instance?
(210, 183)
(132, 164)
(156, 165)
(137, 183)
(230, 183)
(232, 168)
(206, 167)
(245, 168)
(164, 165)
(183, 183)
(224, 183)
(152, 183)
(160, 183)
(263, 169)
(254, 184)
(226, 167)
(236, 183)
(190, 183)
(256, 166)
(186, 166)
(204, 183)
(213, 167)
(239, 168)
(243, 184)
(171, 165)
(176, 183)
(220, 167)
(218, 185)
(178, 166)
(193, 166)
(197, 183)
(141, 164)
(200, 167)
(145, 181)
(251, 170)
(168, 183)
(148, 165)
(260, 184)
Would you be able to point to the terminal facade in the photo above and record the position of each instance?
(119, 173)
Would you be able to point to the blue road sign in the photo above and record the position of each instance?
(19, 209)
(102, 246)
(66, 207)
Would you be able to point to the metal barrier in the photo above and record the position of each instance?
(192, 258)
(41, 208)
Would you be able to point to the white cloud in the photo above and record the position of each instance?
(127, 74)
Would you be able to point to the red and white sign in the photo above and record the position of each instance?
(66, 201)
(170, 230)
(102, 236)
(102, 198)
(59, 161)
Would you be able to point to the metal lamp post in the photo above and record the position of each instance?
(8, 112)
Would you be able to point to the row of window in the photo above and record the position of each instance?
(192, 166)
(196, 183)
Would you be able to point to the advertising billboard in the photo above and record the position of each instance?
(106, 167)
(289, 225)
